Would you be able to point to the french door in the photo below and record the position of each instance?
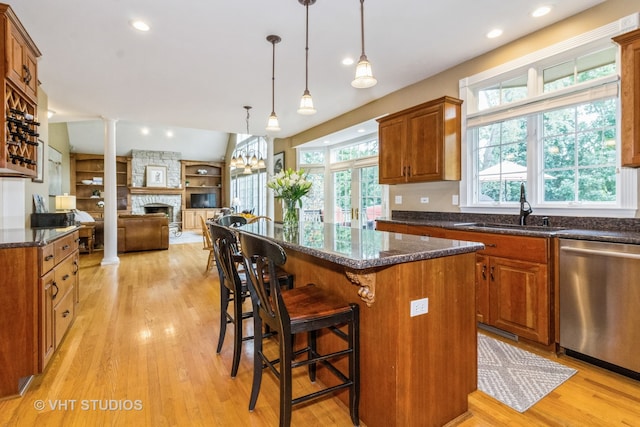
(357, 197)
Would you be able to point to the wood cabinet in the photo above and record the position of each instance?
(87, 183)
(33, 318)
(19, 130)
(630, 97)
(421, 143)
(59, 290)
(201, 178)
(513, 283)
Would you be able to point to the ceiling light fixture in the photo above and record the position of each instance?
(364, 76)
(541, 11)
(248, 160)
(306, 102)
(140, 25)
(494, 33)
(272, 124)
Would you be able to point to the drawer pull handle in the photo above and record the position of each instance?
(492, 276)
(65, 277)
(48, 258)
(65, 247)
(55, 294)
(484, 271)
(491, 245)
(66, 313)
(76, 267)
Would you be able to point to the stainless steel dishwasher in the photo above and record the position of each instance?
(600, 301)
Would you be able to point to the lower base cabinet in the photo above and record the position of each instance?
(513, 285)
(191, 220)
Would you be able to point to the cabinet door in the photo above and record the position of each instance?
(630, 97)
(189, 220)
(519, 296)
(46, 320)
(424, 150)
(15, 54)
(392, 136)
(482, 288)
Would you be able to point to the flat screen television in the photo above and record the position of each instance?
(207, 200)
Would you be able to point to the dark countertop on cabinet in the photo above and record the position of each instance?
(613, 230)
(360, 249)
(26, 237)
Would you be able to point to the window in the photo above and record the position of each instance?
(551, 123)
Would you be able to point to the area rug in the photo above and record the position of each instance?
(516, 377)
(186, 237)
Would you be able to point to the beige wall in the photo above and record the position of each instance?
(446, 83)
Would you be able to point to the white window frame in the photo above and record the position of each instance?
(627, 185)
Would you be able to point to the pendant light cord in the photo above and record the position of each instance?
(362, 25)
(273, 78)
(306, 49)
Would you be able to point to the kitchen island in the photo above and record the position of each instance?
(415, 370)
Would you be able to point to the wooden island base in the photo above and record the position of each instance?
(415, 371)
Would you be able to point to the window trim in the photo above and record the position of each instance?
(591, 40)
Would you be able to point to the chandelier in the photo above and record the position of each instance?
(248, 159)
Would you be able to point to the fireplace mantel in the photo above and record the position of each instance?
(154, 190)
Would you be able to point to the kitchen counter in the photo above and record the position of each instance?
(26, 237)
(569, 231)
(360, 249)
(416, 370)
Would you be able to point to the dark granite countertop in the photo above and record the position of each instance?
(360, 249)
(613, 230)
(26, 237)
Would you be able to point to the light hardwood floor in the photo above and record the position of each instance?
(144, 342)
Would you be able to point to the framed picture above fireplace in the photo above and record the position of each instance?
(157, 176)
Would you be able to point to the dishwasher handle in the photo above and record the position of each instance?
(601, 253)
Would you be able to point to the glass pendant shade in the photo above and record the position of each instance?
(272, 124)
(306, 104)
(247, 170)
(364, 76)
(261, 164)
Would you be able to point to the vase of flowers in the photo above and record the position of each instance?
(290, 186)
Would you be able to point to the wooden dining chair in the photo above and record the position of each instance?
(307, 309)
(207, 244)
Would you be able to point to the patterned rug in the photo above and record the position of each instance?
(516, 377)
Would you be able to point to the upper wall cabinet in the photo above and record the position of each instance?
(421, 143)
(630, 97)
(19, 129)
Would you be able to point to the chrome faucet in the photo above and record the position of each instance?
(525, 207)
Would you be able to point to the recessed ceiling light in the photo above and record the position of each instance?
(140, 25)
(326, 141)
(144, 131)
(347, 61)
(50, 113)
(541, 11)
(361, 130)
(169, 134)
(496, 32)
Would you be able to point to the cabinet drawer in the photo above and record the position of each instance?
(47, 258)
(65, 246)
(523, 248)
(65, 277)
(63, 315)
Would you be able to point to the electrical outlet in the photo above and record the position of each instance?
(454, 200)
(398, 200)
(424, 200)
(419, 306)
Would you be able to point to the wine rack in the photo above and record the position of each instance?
(20, 136)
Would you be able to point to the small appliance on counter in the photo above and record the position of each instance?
(52, 220)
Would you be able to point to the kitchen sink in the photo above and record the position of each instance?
(490, 225)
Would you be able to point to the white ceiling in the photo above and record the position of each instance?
(203, 60)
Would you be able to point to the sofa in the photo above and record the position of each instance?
(143, 232)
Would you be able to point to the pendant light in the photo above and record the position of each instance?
(306, 103)
(364, 75)
(272, 124)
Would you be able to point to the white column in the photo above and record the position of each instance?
(270, 200)
(110, 195)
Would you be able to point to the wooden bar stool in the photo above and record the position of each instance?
(307, 309)
(233, 288)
